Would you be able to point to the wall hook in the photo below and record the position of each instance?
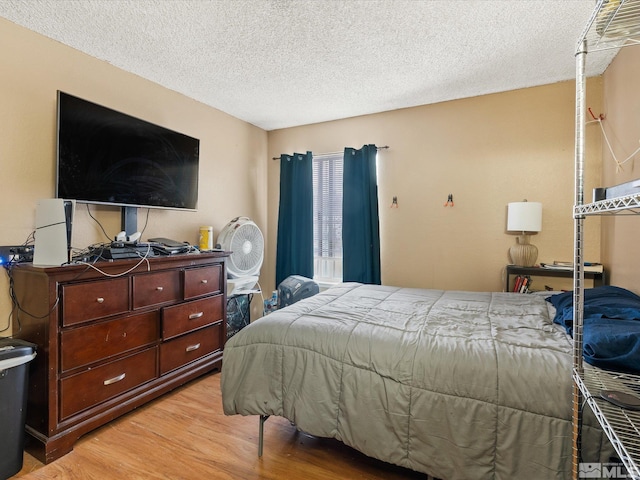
(449, 202)
(394, 203)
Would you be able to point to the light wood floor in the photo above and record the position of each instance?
(185, 435)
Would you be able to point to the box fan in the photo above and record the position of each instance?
(244, 240)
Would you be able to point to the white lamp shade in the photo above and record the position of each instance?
(524, 217)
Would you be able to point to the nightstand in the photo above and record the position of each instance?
(597, 277)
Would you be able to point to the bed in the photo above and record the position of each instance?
(458, 385)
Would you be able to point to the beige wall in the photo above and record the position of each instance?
(487, 151)
(232, 152)
(621, 107)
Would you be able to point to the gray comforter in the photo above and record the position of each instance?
(460, 385)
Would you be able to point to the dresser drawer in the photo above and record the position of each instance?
(156, 288)
(190, 347)
(89, 388)
(89, 344)
(202, 281)
(179, 319)
(82, 302)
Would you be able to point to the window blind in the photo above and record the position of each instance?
(327, 216)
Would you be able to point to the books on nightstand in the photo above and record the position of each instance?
(593, 267)
(522, 284)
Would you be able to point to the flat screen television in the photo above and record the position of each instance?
(108, 157)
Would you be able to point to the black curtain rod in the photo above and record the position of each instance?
(335, 153)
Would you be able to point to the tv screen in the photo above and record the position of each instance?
(108, 157)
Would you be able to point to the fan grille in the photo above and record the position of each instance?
(247, 245)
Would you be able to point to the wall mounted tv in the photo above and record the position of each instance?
(108, 157)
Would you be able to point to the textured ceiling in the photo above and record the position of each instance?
(283, 63)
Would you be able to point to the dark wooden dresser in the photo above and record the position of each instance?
(110, 343)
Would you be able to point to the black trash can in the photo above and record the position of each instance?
(15, 356)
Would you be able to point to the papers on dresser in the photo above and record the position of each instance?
(588, 266)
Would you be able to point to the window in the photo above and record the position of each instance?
(327, 218)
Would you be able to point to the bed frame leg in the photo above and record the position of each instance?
(263, 418)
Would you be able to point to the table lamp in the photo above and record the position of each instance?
(526, 219)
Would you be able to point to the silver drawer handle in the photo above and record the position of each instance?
(193, 316)
(205, 281)
(159, 289)
(115, 379)
(100, 300)
(191, 348)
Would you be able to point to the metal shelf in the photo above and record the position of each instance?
(629, 204)
(620, 425)
(613, 24)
